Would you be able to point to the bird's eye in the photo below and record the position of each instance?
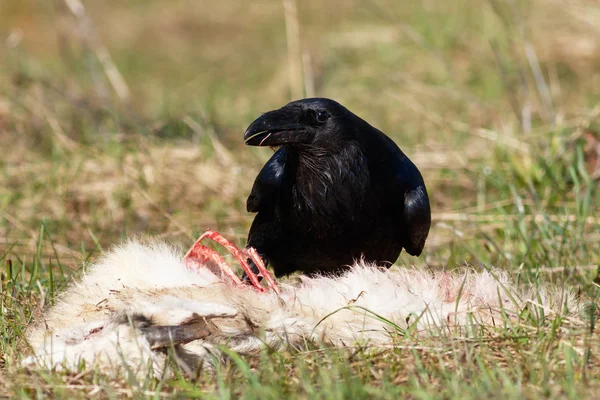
(322, 116)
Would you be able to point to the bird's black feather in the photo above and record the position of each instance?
(337, 190)
(268, 184)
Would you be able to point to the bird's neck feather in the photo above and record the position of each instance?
(329, 182)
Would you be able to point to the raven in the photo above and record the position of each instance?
(337, 190)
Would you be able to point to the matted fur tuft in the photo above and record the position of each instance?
(104, 318)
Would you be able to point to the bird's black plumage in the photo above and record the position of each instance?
(337, 190)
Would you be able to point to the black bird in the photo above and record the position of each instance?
(337, 190)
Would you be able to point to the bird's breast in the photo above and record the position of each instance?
(331, 193)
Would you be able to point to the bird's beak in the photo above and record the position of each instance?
(272, 129)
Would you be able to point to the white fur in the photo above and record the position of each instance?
(92, 320)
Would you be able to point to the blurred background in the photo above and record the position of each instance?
(126, 118)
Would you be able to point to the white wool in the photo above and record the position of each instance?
(152, 282)
(100, 343)
(154, 265)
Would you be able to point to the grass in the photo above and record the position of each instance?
(126, 120)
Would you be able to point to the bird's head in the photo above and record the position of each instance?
(302, 122)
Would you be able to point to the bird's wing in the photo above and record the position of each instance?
(268, 181)
(416, 212)
(417, 219)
